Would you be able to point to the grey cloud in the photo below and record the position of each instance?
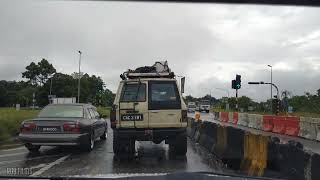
(115, 36)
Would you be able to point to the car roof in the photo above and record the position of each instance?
(74, 104)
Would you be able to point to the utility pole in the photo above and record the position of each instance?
(271, 109)
(79, 76)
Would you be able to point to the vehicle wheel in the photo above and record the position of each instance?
(207, 111)
(89, 143)
(32, 148)
(104, 135)
(178, 145)
(123, 146)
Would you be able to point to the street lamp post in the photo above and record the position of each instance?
(79, 76)
(271, 90)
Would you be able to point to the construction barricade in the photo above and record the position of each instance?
(235, 117)
(267, 122)
(292, 127)
(243, 119)
(279, 124)
(224, 116)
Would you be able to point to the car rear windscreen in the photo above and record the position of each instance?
(62, 111)
(133, 92)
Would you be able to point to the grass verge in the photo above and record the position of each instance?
(104, 111)
(10, 120)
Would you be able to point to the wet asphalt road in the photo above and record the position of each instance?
(70, 161)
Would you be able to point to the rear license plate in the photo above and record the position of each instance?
(49, 129)
(132, 117)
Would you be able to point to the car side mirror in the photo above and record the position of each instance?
(182, 84)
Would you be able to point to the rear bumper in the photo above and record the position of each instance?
(53, 139)
(148, 134)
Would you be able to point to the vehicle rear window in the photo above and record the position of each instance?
(133, 93)
(62, 111)
(164, 95)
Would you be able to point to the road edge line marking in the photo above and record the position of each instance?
(47, 167)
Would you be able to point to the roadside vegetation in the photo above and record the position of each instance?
(10, 120)
(104, 111)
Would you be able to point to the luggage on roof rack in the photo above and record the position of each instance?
(159, 70)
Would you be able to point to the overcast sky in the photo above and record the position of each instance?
(207, 43)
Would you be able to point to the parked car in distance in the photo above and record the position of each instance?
(64, 124)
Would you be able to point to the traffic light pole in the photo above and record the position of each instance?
(236, 99)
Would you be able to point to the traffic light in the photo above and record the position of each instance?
(233, 84)
(238, 82)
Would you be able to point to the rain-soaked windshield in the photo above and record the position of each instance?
(98, 88)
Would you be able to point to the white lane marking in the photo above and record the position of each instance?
(13, 161)
(13, 149)
(58, 161)
(13, 154)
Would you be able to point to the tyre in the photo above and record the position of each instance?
(104, 135)
(207, 111)
(178, 145)
(116, 144)
(123, 146)
(88, 145)
(32, 148)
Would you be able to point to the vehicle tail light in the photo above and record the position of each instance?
(113, 117)
(184, 116)
(28, 127)
(73, 127)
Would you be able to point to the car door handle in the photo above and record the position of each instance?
(154, 111)
(171, 114)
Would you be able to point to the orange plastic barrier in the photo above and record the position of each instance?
(224, 116)
(292, 126)
(267, 123)
(235, 117)
(279, 124)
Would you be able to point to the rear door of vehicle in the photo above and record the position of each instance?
(164, 104)
(133, 105)
(95, 122)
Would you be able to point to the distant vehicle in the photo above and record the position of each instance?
(64, 124)
(149, 107)
(192, 107)
(204, 105)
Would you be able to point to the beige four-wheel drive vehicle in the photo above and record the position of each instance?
(149, 107)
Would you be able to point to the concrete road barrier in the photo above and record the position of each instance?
(315, 164)
(216, 115)
(255, 154)
(233, 153)
(243, 119)
(222, 137)
(251, 120)
(316, 122)
(308, 129)
(259, 121)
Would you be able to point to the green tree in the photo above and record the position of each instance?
(39, 73)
